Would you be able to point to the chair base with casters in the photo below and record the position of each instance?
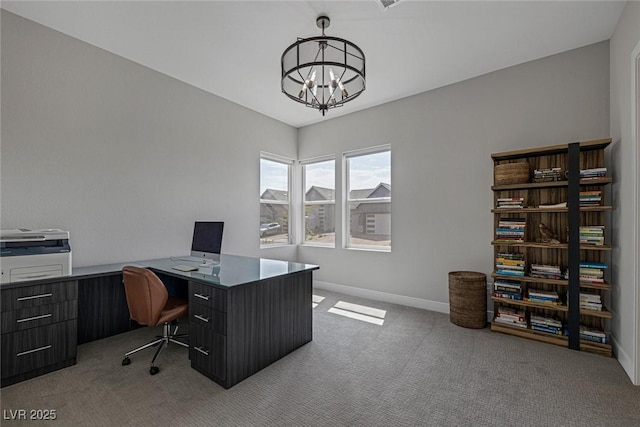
(150, 304)
(162, 341)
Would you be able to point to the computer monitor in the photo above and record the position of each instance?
(207, 239)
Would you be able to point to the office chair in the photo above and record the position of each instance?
(150, 304)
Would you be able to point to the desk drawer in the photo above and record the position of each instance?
(208, 351)
(27, 318)
(38, 347)
(37, 295)
(208, 296)
(208, 318)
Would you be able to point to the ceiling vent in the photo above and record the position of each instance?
(386, 4)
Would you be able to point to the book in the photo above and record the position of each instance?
(557, 205)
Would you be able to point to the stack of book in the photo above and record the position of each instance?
(547, 175)
(545, 271)
(590, 198)
(593, 173)
(546, 324)
(511, 317)
(589, 301)
(591, 272)
(594, 335)
(592, 235)
(510, 203)
(544, 297)
(507, 289)
(510, 264)
(510, 230)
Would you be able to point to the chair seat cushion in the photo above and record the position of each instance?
(174, 309)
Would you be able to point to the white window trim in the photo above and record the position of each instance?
(290, 191)
(304, 203)
(346, 213)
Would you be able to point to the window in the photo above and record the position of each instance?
(368, 193)
(319, 218)
(275, 202)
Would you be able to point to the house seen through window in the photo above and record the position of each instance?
(319, 202)
(275, 202)
(368, 208)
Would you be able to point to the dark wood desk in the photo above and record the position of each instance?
(244, 314)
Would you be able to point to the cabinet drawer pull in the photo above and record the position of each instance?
(46, 347)
(204, 319)
(34, 297)
(201, 350)
(204, 297)
(28, 319)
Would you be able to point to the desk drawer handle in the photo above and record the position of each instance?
(28, 319)
(46, 347)
(204, 319)
(204, 297)
(201, 350)
(34, 297)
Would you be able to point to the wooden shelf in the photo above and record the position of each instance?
(550, 184)
(551, 245)
(555, 210)
(522, 303)
(527, 279)
(560, 340)
(604, 314)
(595, 144)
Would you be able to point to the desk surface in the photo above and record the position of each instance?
(231, 270)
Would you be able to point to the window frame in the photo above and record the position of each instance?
(346, 201)
(303, 164)
(290, 163)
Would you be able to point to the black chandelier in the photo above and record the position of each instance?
(323, 72)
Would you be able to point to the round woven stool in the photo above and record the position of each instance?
(468, 299)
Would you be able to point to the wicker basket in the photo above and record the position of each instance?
(512, 173)
(468, 299)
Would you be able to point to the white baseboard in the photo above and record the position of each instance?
(424, 304)
(624, 359)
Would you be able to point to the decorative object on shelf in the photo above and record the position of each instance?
(548, 235)
(323, 72)
(512, 173)
(468, 299)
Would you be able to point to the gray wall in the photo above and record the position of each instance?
(442, 170)
(626, 154)
(124, 157)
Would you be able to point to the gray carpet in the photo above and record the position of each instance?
(417, 369)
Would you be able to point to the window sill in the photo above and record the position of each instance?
(275, 245)
(369, 249)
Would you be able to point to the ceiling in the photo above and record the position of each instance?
(232, 48)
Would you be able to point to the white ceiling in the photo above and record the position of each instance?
(233, 48)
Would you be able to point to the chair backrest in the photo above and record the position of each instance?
(146, 294)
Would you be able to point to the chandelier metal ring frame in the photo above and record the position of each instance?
(323, 72)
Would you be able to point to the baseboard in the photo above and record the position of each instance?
(424, 304)
(624, 359)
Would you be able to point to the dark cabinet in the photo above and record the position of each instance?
(208, 330)
(39, 329)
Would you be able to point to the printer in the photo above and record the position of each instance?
(34, 254)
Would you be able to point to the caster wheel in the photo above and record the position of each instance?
(154, 370)
(126, 361)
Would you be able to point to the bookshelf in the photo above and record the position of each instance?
(551, 252)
